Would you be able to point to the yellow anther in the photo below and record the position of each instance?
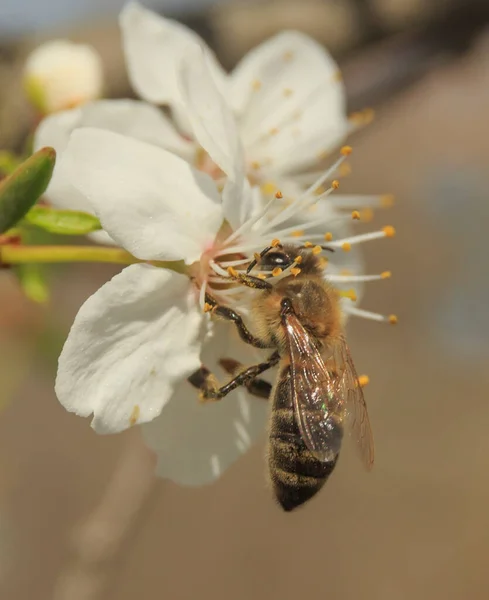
(351, 294)
(295, 271)
(387, 200)
(323, 262)
(298, 259)
(368, 115)
(328, 236)
(308, 244)
(363, 380)
(346, 246)
(268, 187)
(273, 131)
(335, 184)
(366, 215)
(208, 307)
(337, 76)
(346, 150)
(392, 319)
(386, 275)
(319, 190)
(256, 84)
(256, 256)
(317, 250)
(355, 215)
(277, 271)
(232, 271)
(262, 276)
(297, 233)
(389, 231)
(345, 169)
(275, 243)
(288, 92)
(278, 194)
(255, 165)
(133, 419)
(288, 55)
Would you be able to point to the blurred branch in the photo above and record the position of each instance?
(100, 541)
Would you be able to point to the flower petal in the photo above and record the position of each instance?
(148, 200)
(196, 442)
(130, 117)
(212, 121)
(153, 46)
(130, 345)
(291, 101)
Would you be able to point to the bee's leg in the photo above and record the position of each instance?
(230, 315)
(256, 387)
(249, 281)
(209, 387)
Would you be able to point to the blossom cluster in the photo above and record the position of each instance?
(233, 161)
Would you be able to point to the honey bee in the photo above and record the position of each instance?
(316, 395)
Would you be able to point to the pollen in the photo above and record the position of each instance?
(337, 76)
(275, 243)
(136, 411)
(389, 231)
(277, 271)
(335, 184)
(317, 250)
(368, 115)
(355, 215)
(256, 84)
(232, 271)
(308, 244)
(255, 165)
(346, 150)
(346, 272)
(257, 257)
(298, 259)
(363, 380)
(387, 200)
(207, 307)
(346, 246)
(323, 154)
(393, 319)
(288, 56)
(273, 131)
(288, 92)
(319, 190)
(328, 236)
(278, 194)
(297, 233)
(386, 275)
(350, 294)
(295, 271)
(262, 276)
(345, 170)
(323, 262)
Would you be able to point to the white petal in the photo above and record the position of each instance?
(153, 47)
(212, 121)
(196, 442)
(131, 344)
(148, 200)
(129, 117)
(291, 101)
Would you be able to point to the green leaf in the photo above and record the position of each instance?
(32, 278)
(64, 222)
(20, 191)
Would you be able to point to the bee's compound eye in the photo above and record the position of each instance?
(286, 305)
(276, 259)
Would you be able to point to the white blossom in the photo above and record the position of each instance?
(60, 74)
(137, 339)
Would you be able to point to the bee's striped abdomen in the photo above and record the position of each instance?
(295, 473)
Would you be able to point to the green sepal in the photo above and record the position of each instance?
(62, 222)
(20, 190)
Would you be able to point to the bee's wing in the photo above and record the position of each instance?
(316, 395)
(355, 415)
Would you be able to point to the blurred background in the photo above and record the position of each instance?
(81, 516)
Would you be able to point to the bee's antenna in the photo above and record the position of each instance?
(275, 244)
(316, 249)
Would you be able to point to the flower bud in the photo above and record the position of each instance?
(60, 74)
